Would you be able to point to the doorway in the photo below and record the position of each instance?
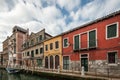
(84, 61)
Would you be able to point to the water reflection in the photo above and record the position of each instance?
(5, 76)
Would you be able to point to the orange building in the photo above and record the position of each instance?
(53, 52)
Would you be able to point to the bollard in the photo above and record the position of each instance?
(58, 69)
(82, 71)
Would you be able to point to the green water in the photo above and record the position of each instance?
(5, 76)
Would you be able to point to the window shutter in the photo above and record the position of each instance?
(111, 31)
(76, 42)
(92, 39)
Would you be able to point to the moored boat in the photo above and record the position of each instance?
(12, 70)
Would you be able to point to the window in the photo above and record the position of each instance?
(56, 44)
(39, 62)
(32, 53)
(27, 44)
(41, 50)
(46, 62)
(32, 42)
(46, 47)
(76, 42)
(112, 56)
(51, 62)
(92, 39)
(28, 53)
(40, 37)
(112, 31)
(23, 54)
(66, 62)
(65, 42)
(24, 45)
(36, 51)
(37, 39)
(51, 46)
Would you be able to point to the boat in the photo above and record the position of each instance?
(12, 70)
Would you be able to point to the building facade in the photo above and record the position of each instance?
(5, 54)
(33, 49)
(53, 53)
(1, 58)
(12, 47)
(93, 45)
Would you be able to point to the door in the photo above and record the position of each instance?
(56, 61)
(84, 61)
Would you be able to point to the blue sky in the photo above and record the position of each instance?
(56, 16)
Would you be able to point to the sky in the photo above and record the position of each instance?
(56, 16)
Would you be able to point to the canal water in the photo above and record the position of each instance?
(5, 76)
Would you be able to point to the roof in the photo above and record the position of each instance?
(92, 22)
(53, 37)
(19, 29)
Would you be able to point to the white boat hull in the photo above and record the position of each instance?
(12, 70)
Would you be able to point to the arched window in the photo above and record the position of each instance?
(51, 62)
(56, 61)
(46, 62)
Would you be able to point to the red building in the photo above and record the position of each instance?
(93, 45)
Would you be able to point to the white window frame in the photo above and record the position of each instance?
(67, 42)
(85, 57)
(112, 64)
(117, 31)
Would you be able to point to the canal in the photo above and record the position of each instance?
(41, 76)
(5, 76)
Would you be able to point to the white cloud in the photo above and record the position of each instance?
(51, 14)
(69, 5)
(39, 14)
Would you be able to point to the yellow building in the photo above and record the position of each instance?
(53, 52)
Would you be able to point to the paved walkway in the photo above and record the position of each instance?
(79, 75)
(85, 76)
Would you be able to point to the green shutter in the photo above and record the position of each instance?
(76, 42)
(111, 31)
(65, 42)
(92, 39)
